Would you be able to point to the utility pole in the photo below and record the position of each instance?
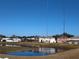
(64, 16)
(47, 18)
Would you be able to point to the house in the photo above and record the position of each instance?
(73, 40)
(47, 40)
(6, 40)
(62, 39)
(32, 39)
(16, 40)
(10, 40)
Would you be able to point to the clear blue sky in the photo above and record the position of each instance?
(38, 17)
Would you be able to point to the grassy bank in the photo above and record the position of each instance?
(53, 45)
(34, 44)
(5, 49)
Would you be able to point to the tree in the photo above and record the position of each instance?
(13, 36)
(24, 38)
(56, 37)
(2, 36)
(67, 35)
(62, 35)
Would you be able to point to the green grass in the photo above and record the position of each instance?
(4, 49)
(33, 44)
(53, 45)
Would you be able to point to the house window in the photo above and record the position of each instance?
(70, 42)
(75, 42)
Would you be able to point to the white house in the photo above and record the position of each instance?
(73, 40)
(10, 40)
(47, 40)
(16, 40)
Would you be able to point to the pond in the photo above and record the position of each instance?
(41, 51)
(36, 52)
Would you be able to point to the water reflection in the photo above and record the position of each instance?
(47, 50)
(41, 51)
(36, 52)
(3, 44)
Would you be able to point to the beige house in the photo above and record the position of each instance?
(73, 40)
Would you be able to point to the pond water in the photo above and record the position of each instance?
(36, 52)
(41, 51)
